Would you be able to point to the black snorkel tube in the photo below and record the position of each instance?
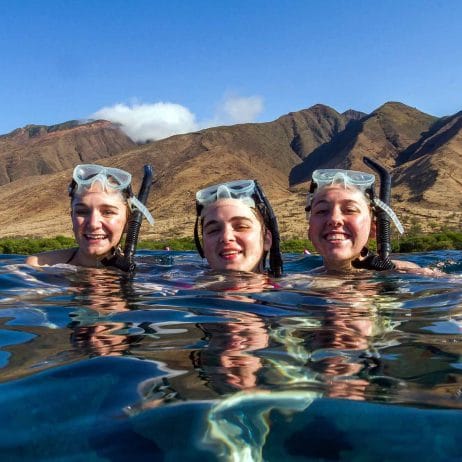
(380, 262)
(275, 257)
(126, 262)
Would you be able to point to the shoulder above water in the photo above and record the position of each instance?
(53, 257)
(400, 266)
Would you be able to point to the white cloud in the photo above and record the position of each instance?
(239, 109)
(154, 121)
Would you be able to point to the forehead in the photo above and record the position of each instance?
(340, 193)
(96, 197)
(227, 209)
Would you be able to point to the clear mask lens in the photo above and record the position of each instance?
(361, 180)
(114, 178)
(347, 178)
(240, 189)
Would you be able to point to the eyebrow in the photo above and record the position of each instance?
(82, 204)
(237, 218)
(346, 202)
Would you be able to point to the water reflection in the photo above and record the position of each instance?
(242, 354)
(228, 362)
(99, 294)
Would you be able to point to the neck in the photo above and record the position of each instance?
(342, 267)
(89, 261)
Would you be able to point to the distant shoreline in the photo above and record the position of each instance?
(446, 240)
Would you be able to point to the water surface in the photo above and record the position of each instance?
(178, 363)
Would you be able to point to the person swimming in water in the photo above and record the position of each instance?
(237, 228)
(102, 202)
(343, 214)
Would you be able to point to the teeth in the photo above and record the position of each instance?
(230, 252)
(95, 236)
(336, 237)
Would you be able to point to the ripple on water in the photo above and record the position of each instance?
(178, 363)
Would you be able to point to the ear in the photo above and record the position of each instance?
(267, 240)
(373, 229)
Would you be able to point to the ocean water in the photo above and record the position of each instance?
(182, 364)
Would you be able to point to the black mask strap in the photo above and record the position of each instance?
(269, 217)
(197, 240)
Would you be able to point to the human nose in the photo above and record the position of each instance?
(227, 234)
(335, 217)
(94, 219)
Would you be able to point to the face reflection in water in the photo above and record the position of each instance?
(234, 345)
(102, 294)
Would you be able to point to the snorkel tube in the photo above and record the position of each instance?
(126, 262)
(275, 258)
(380, 262)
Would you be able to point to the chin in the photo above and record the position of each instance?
(97, 252)
(232, 267)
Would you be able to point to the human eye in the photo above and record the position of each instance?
(320, 210)
(81, 211)
(211, 229)
(242, 226)
(351, 209)
(109, 212)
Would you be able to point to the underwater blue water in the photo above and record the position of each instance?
(182, 364)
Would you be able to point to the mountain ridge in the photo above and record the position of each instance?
(423, 153)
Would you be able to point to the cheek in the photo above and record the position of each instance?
(208, 243)
(77, 221)
(119, 224)
(255, 238)
(366, 221)
(364, 226)
(313, 229)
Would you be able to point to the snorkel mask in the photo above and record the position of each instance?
(328, 177)
(250, 193)
(85, 176)
(380, 206)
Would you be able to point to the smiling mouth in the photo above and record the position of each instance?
(332, 237)
(229, 253)
(95, 237)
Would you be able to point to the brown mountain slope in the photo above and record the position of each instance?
(427, 185)
(182, 165)
(382, 136)
(433, 174)
(36, 150)
(313, 127)
(442, 132)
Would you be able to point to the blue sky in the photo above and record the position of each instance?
(175, 66)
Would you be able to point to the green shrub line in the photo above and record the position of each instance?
(447, 240)
(31, 245)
